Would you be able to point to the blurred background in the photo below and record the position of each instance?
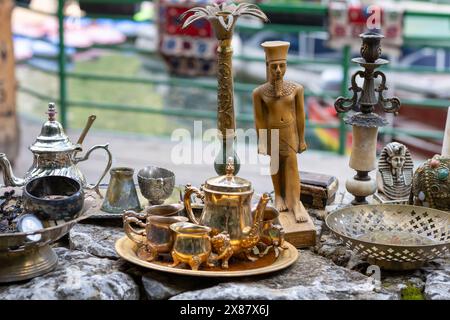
(129, 62)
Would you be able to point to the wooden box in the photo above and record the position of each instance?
(317, 190)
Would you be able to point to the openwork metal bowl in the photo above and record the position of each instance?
(395, 237)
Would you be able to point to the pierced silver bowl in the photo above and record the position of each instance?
(394, 237)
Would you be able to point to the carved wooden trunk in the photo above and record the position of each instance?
(9, 128)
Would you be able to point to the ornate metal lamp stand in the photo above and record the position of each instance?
(365, 122)
(223, 18)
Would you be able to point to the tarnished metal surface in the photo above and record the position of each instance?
(156, 184)
(22, 258)
(54, 154)
(154, 235)
(121, 194)
(365, 98)
(54, 198)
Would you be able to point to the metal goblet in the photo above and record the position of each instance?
(156, 184)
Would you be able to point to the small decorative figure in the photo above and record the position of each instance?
(221, 245)
(395, 171)
(273, 237)
(279, 104)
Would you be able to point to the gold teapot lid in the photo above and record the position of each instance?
(52, 137)
(228, 182)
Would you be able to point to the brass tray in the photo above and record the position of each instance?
(127, 250)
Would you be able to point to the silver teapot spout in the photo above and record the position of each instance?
(8, 176)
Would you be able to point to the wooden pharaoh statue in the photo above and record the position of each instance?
(278, 105)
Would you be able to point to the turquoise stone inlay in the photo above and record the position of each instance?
(442, 174)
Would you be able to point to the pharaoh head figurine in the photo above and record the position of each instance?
(395, 171)
(276, 58)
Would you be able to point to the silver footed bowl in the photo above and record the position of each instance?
(25, 255)
(394, 237)
(156, 184)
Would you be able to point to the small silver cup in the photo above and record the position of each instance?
(121, 193)
(156, 184)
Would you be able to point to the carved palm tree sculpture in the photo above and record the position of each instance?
(223, 17)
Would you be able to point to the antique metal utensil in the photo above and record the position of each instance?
(86, 129)
(365, 121)
(121, 193)
(55, 154)
(395, 237)
(54, 198)
(228, 210)
(167, 210)
(25, 255)
(192, 244)
(156, 184)
(154, 237)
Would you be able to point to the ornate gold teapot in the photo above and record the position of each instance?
(55, 154)
(235, 229)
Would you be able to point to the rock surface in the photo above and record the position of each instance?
(402, 283)
(437, 285)
(311, 277)
(96, 240)
(78, 276)
(158, 285)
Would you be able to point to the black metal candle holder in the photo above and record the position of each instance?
(365, 122)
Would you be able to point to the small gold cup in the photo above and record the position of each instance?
(154, 237)
(192, 244)
(166, 210)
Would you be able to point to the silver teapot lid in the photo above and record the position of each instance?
(52, 137)
(228, 182)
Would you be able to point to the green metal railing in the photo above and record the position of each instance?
(303, 8)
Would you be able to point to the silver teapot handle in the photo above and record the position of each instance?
(95, 187)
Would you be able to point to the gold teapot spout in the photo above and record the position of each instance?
(252, 235)
(8, 176)
(258, 213)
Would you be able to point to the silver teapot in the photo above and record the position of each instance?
(55, 154)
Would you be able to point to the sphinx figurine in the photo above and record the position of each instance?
(278, 105)
(395, 172)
